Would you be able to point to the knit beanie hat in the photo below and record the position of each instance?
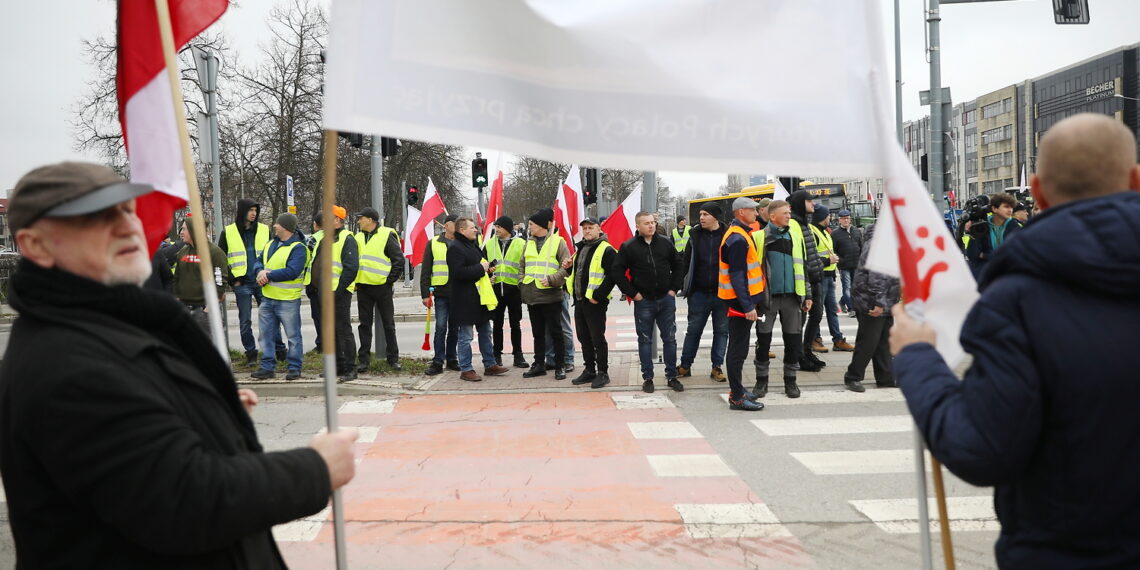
(543, 217)
(820, 214)
(713, 209)
(288, 221)
(505, 223)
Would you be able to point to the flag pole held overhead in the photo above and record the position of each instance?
(197, 221)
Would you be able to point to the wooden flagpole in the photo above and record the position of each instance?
(943, 516)
(197, 221)
(328, 336)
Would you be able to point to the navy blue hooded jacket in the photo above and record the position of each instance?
(1049, 412)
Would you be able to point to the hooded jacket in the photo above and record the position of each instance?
(813, 265)
(247, 235)
(1047, 411)
(870, 289)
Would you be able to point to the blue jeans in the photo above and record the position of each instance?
(567, 333)
(845, 276)
(829, 308)
(244, 295)
(701, 305)
(287, 314)
(486, 345)
(663, 312)
(446, 333)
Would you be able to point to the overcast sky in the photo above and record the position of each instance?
(985, 46)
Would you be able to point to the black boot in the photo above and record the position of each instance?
(520, 361)
(560, 372)
(499, 359)
(539, 369)
(790, 388)
(761, 387)
(365, 359)
(600, 380)
(433, 370)
(251, 358)
(587, 376)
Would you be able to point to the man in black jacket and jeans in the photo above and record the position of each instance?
(702, 260)
(655, 277)
(848, 245)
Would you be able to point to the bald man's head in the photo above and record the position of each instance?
(1085, 156)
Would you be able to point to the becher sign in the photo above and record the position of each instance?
(1100, 91)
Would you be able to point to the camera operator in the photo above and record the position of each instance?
(986, 235)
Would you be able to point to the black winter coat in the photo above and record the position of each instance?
(655, 268)
(848, 244)
(463, 270)
(1047, 411)
(870, 289)
(122, 440)
(813, 265)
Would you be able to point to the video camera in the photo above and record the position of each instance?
(976, 212)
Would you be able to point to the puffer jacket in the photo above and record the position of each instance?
(1047, 411)
(870, 289)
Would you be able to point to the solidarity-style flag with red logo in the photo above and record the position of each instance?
(146, 110)
(620, 226)
(569, 208)
(423, 229)
(914, 244)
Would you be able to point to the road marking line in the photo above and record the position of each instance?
(812, 397)
(663, 430)
(827, 426)
(864, 462)
(743, 520)
(641, 401)
(368, 407)
(367, 434)
(302, 530)
(900, 516)
(696, 465)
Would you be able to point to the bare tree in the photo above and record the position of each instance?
(532, 184)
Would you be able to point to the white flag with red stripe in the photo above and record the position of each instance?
(621, 226)
(145, 104)
(423, 230)
(569, 208)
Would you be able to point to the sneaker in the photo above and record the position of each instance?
(684, 372)
(815, 359)
(560, 372)
(745, 405)
(750, 396)
(536, 370)
(470, 376)
(647, 386)
(520, 361)
(587, 376)
(496, 370)
(600, 380)
(851, 314)
(716, 374)
(292, 374)
(817, 345)
(550, 366)
(568, 367)
(842, 346)
(453, 365)
(251, 358)
(809, 366)
(790, 388)
(263, 373)
(854, 386)
(434, 370)
(676, 385)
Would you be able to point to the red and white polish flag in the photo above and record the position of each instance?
(422, 230)
(570, 208)
(621, 226)
(146, 110)
(494, 207)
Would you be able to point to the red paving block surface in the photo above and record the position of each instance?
(529, 480)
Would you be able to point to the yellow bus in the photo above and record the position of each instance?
(725, 202)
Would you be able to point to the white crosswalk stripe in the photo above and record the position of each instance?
(744, 520)
(823, 426)
(899, 516)
(819, 397)
(863, 462)
(368, 407)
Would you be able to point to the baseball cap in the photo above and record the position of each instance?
(843, 213)
(588, 221)
(68, 189)
(340, 212)
(742, 203)
(368, 213)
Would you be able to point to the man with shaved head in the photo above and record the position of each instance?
(1047, 411)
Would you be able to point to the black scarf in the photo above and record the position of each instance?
(53, 294)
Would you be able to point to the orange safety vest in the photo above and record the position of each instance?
(755, 269)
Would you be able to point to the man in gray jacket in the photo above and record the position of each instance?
(541, 290)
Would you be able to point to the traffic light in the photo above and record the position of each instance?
(590, 191)
(479, 171)
(356, 140)
(1070, 11)
(413, 195)
(389, 146)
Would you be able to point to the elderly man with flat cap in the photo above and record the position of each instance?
(125, 441)
(381, 266)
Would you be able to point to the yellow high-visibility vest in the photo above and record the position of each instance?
(825, 246)
(798, 247)
(438, 263)
(509, 266)
(235, 248)
(337, 264)
(595, 273)
(539, 265)
(375, 265)
(286, 290)
(681, 239)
